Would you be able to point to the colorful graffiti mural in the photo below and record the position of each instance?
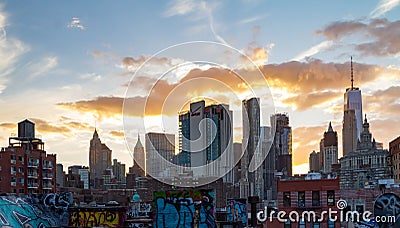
(237, 211)
(95, 217)
(186, 208)
(32, 211)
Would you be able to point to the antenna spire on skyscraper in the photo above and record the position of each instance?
(352, 80)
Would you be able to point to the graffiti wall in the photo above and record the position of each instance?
(237, 211)
(185, 208)
(388, 204)
(47, 210)
(97, 217)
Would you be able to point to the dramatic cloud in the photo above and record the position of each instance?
(8, 125)
(46, 127)
(383, 7)
(310, 100)
(383, 36)
(386, 101)
(309, 84)
(119, 134)
(305, 140)
(76, 23)
(256, 52)
(10, 50)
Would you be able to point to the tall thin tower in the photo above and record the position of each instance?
(352, 120)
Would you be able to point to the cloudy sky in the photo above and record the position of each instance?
(67, 66)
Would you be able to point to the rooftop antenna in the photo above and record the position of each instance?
(352, 80)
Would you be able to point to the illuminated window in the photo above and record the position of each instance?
(331, 198)
(301, 199)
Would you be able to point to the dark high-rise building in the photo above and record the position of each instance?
(314, 162)
(26, 168)
(251, 137)
(330, 149)
(197, 149)
(160, 151)
(139, 158)
(99, 158)
(282, 145)
(352, 118)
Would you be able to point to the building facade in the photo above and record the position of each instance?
(160, 152)
(282, 145)
(197, 149)
(25, 167)
(251, 137)
(316, 195)
(394, 152)
(366, 165)
(99, 158)
(330, 149)
(139, 157)
(352, 118)
(314, 161)
(119, 171)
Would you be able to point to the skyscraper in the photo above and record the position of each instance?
(158, 146)
(352, 120)
(205, 133)
(139, 157)
(330, 149)
(314, 162)
(251, 137)
(99, 158)
(282, 145)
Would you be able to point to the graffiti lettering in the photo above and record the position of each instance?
(388, 204)
(15, 212)
(237, 211)
(187, 208)
(95, 218)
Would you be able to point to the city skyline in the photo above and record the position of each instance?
(75, 63)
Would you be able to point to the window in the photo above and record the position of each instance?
(21, 191)
(301, 199)
(331, 198)
(21, 180)
(360, 209)
(316, 198)
(286, 199)
(20, 169)
(20, 158)
(316, 225)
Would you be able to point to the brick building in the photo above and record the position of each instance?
(315, 195)
(394, 159)
(25, 168)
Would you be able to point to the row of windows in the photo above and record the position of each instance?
(315, 201)
(302, 224)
